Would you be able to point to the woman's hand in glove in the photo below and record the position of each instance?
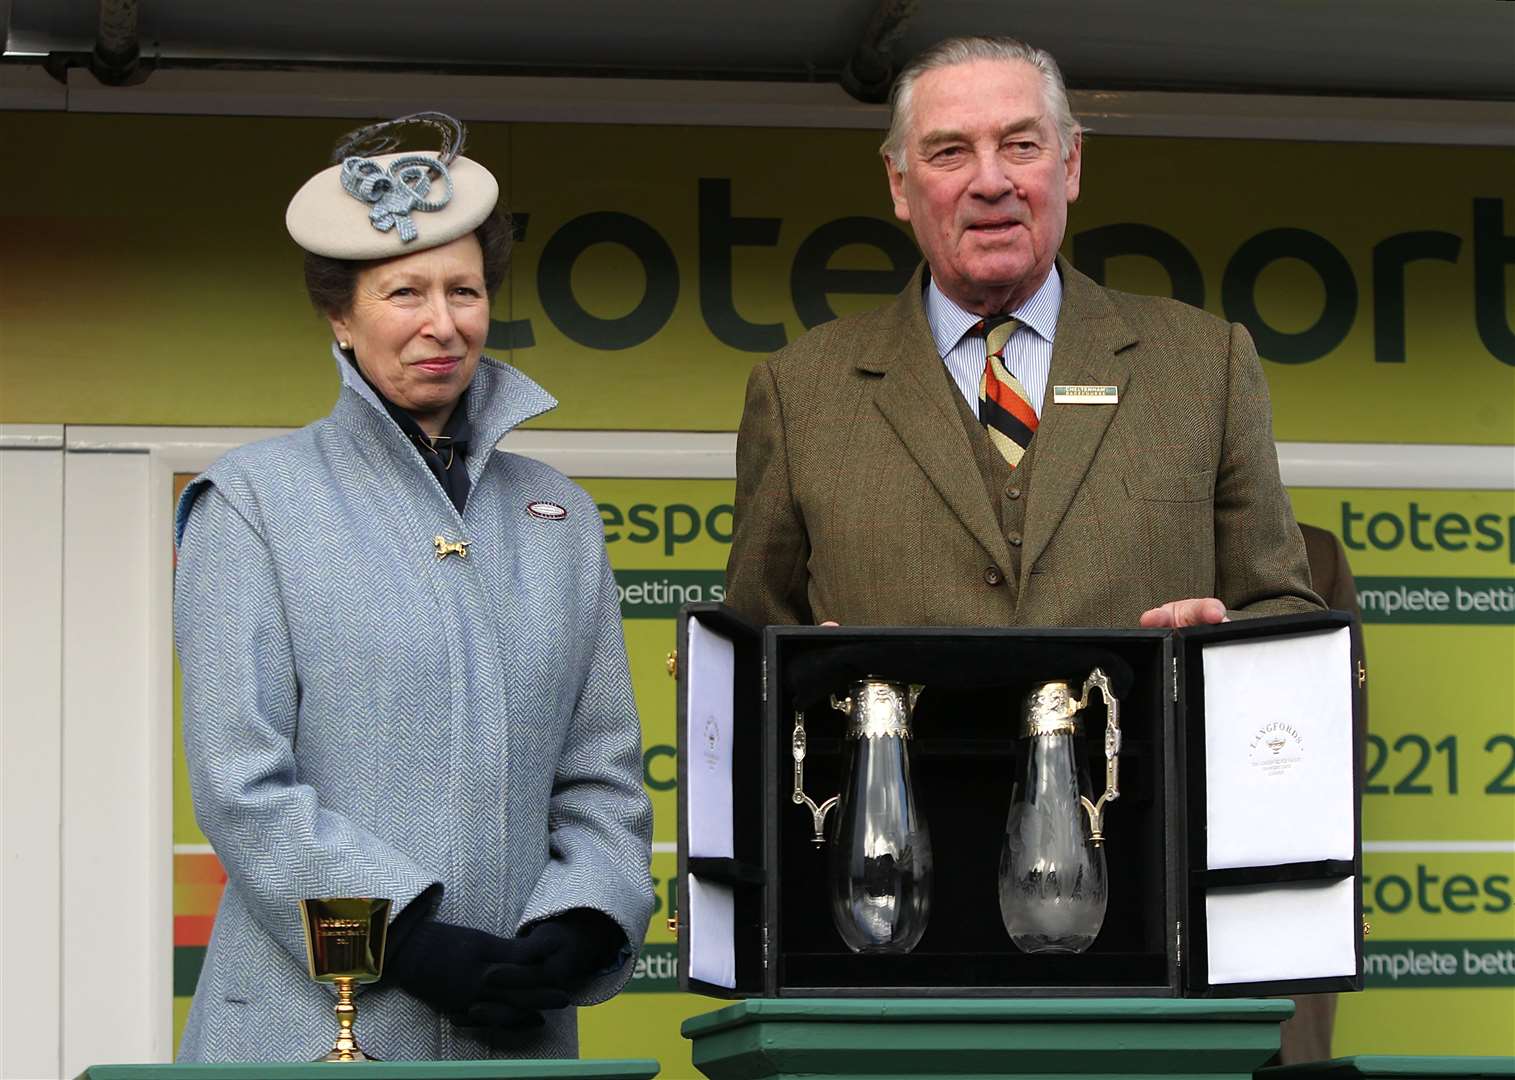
(453, 968)
(575, 945)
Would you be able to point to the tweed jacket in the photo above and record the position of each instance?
(859, 498)
(364, 718)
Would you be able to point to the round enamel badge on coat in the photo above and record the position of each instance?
(546, 511)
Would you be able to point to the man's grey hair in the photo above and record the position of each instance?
(963, 50)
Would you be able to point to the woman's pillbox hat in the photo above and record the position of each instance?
(378, 205)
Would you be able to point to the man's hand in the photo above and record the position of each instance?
(1175, 613)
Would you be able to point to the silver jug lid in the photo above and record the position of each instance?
(878, 708)
(1050, 709)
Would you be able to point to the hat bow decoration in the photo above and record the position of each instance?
(364, 205)
(395, 193)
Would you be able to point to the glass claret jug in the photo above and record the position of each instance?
(1052, 884)
(880, 857)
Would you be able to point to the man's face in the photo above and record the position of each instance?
(986, 188)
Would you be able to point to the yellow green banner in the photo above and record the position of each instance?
(655, 264)
(1434, 569)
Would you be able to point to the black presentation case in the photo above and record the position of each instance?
(764, 877)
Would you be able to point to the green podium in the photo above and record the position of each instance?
(912, 1037)
(383, 1070)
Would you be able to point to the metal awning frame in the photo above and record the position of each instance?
(732, 103)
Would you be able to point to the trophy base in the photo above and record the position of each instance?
(348, 1055)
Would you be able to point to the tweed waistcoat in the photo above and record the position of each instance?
(364, 718)
(1006, 489)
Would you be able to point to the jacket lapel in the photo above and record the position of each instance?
(915, 397)
(1090, 335)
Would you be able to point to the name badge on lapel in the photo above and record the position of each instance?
(1085, 395)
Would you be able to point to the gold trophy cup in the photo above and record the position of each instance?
(344, 945)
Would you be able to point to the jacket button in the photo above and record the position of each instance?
(1015, 539)
(992, 576)
(1013, 493)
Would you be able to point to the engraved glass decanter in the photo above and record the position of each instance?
(1052, 883)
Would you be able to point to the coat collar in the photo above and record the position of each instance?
(916, 399)
(499, 399)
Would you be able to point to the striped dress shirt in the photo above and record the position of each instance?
(1028, 354)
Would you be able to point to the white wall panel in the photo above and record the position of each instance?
(31, 587)
(117, 785)
(712, 455)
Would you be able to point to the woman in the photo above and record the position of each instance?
(404, 675)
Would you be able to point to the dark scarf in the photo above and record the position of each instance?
(446, 455)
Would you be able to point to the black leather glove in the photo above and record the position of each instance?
(573, 946)
(451, 968)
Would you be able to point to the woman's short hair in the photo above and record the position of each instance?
(332, 282)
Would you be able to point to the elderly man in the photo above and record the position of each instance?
(1007, 443)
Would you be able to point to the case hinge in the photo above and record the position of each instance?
(1175, 680)
(764, 679)
(765, 946)
(1178, 943)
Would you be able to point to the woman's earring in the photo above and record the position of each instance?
(344, 346)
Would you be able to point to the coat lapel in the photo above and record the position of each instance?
(499, 399)
(915, 397)
(1090, 336)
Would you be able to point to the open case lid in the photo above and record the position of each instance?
(721, 878)
(1268, 729)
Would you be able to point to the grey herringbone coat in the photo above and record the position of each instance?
(364, 719)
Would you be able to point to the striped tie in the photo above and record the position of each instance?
(1004, 407)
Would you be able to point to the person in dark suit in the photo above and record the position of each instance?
(1095, 459)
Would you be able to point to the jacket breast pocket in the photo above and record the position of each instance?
(1167, 535)
(1171, 487)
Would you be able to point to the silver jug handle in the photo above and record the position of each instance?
(1096, 810)
(797, 749)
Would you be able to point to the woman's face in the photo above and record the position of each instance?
(417, 326)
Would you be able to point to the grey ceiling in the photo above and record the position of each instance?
(1447, 48)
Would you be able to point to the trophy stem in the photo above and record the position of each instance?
(346, 1047)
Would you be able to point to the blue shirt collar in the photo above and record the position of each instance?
(949, 322)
